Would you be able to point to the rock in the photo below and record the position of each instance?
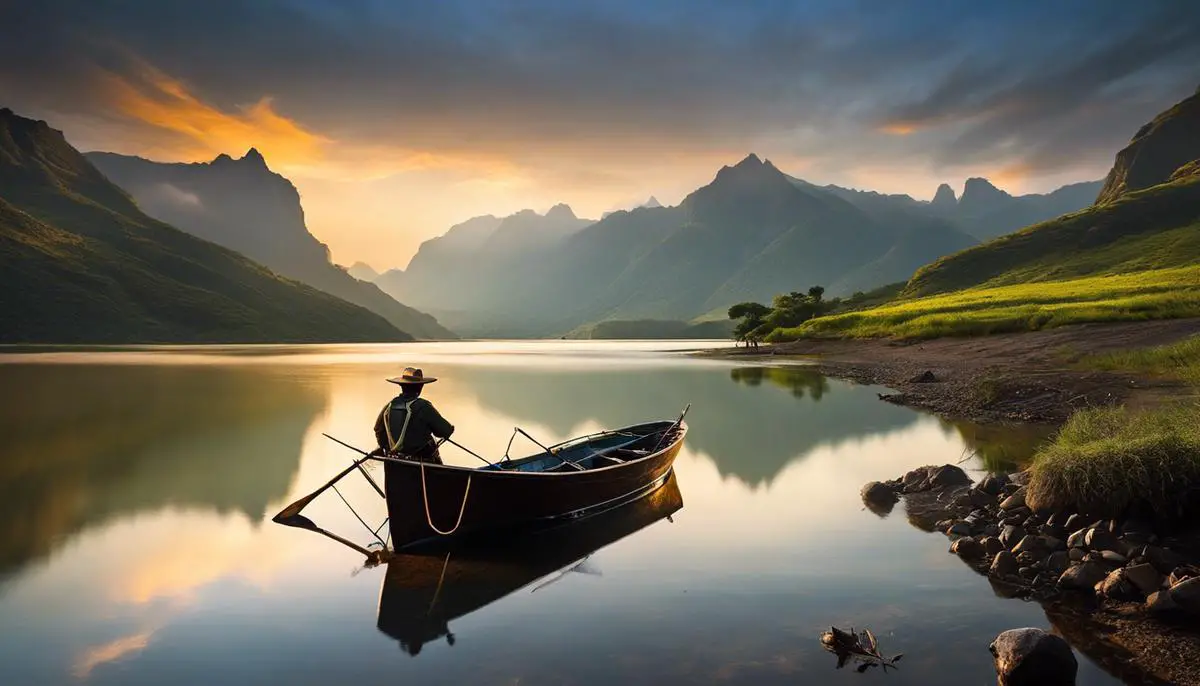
(980, 498)
(1073, 522)
(1011, 535)
(1160, 603)
(1186, 594)
(959, 529)
(924, 377)
(1004, 564)
(993, 484)
(879, 494)
(948, 475)
(1077, 539)
(1054, 543)
(1181, 574)
(1145, 577)
(1137, 532)
(967, 549)
(992, 545)
(1025, 657)
(1116, 587)
(1027, 572)
(1113, 557)
(1082, 577)
(1076, 554)
(1031, 544)
(1058, 562)
(1163, 559)
(1099, 538)
(1026, 558)
(1017, 499)
(1020, 478)
(991, 530)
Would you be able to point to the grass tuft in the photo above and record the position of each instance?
(1180, 360)
(1107, 461)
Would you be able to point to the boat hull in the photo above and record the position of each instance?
(481, 503)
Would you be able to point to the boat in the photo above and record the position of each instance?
(427, 502)
(424, 591)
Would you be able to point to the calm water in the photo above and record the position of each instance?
(137, 486)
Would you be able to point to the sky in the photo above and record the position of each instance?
(397, 119)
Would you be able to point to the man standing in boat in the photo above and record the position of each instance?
(408, 423)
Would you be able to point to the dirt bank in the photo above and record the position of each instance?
(1030, 377)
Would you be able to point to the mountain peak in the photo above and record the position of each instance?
(651, 203)
(560, 211)
(751, 161)
(1156, 151)
(254, 156)
(944, 197)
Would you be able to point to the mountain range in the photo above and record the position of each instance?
(1146, 216)
(82, 263)
(751, 233)
(242, 205)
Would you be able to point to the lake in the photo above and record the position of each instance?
(137, 487)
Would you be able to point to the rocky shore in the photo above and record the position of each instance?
(1135, 584)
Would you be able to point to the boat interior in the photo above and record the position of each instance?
(604, 449)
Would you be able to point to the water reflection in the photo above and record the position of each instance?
(801, 381)
(1000, 447)
(423, 593)
(86, 445)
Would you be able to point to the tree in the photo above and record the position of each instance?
(815, 293)
(751, 314)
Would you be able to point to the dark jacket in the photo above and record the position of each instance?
(418, 436)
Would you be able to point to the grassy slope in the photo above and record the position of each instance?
(653, 328)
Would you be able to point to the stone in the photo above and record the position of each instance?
(979, 498)
(959, 529)
(1004, 564)
(1161, 603)
(1163, 559)
(1113, 557)
(1099, 538)
(992, 530)
(1145, 577)
(1077, 539)
(1027, 572)
(1186, 594)
(1011, 535)
(1116, 587)
(948, 475)
(1026, 559)
(1020, 478)
(1030, 544)
(993, 484)
(924, 377)
(876, 493)
(1017, 499)
(1028, 657)
(1058, 562)
(1181, 574)
(1073, 522)
(1076, 554)
(992, 545)
(1082, 577)
(967, 549)
(1137, 531)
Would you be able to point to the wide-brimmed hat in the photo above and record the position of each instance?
(412, 375)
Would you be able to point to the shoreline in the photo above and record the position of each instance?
(1030, 377)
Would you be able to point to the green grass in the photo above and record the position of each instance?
(1154, 294)
(1180, 360)
(1107, 461)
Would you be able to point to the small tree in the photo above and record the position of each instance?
(751, 314)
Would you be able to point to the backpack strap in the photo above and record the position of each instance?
(396, 442)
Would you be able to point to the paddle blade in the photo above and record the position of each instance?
(297, 520)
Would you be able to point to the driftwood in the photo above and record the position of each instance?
(858, 647)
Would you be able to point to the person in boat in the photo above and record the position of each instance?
(407, 425)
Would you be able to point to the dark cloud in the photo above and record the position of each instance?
(1011, 84)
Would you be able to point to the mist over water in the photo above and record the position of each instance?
(137, 486)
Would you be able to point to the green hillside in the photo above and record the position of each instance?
(653, 329)
(81, 264)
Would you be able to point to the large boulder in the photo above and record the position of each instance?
(879, 497)
(1082, 577)
(1011, 535)
(1145, 577)
(1029, 657)
(1014, 501)
(1004, 564)
(1186, 594)
(968, 549)
(1116, 586)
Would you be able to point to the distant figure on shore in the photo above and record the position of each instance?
(408, 423)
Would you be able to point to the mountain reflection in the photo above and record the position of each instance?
(88, 444)
(742, 426)
(422, 594)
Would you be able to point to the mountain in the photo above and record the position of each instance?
(651, 202)
(985, 211)
(362, 271)
(462, 270)
(1147, 217)
(1157, 151)
(944, 199)
(82, 264)
(242, 205)
(750, 234)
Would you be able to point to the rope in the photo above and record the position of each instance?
(461, 510)
(356, 516)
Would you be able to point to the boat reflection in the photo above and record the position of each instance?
(423, 592)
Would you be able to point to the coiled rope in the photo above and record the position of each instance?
(462, 509)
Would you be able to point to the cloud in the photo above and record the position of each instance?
(112, 651)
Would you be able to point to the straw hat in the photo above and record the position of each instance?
(412, 375)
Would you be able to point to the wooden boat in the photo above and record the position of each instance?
(423, 592)
(585, 475)
(430, 502)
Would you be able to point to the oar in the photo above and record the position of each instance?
(360, 467)
(549, 451)
(287, 514)
(468, 451)
(301, 522)
(671, 428)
